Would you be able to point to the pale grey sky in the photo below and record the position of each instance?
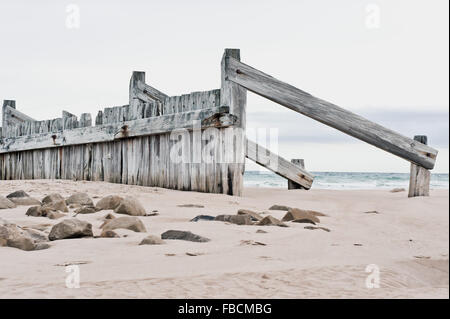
(396, 74)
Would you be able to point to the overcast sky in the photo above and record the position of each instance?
(386, 60)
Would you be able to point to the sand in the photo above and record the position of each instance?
(408, 241)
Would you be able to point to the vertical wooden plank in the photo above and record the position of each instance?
(235, 97)
(196, 155)
(6, 103)
(172, 166)
(165, 159)
(85, 120)
(186, 102)
(211, 156)
(223, 163)
(148, 109)
(136, 76)
(144, 161)
(187, 159)
(97, 162)
(419, 179)
(99, 118)
(154, 160)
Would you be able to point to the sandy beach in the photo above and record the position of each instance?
(408, 240)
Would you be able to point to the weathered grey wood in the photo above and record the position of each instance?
(132, 143)
(11, 104)
(278, 165)
(85, 120)
(150, 91)
(11, 118)
(234, 96)
(329, 114)
(67, 114)
(300, 163)
(213, 117)
(70, 121)
(136, 77)
(99, 118)
(419, 179)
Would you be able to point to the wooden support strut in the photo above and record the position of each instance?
(279, 165)
(419, 178)
(148, 91)
(11, 117)
(329, 114)
(300, 163)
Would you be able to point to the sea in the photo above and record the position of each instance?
(345, 180)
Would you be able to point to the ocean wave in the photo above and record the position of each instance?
(345, 180)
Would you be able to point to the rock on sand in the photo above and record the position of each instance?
(71, 228)
(108, 202)
(126, 222)
(184, 235)
(130, 206)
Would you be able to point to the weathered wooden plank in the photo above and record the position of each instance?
(328, 113)
(12, 118)
(235, 96)
(145, 162)
(85, 120)
(15, 114)
(56, 125)
(67, 114)
(136, 77)
(278, 165)
(419, 178)
(150, 91)
(99, 118)
(70, 121)
(213, 117)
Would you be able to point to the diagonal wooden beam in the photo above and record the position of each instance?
(147, 90)
(11, 117)
(278, 165)
(16, 116)
(330, 114)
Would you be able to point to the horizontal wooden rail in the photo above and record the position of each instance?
(280, 166)
(210, 117)
(329, 114)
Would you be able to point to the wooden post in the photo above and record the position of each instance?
(85, 120)
(6, 103)
(136, 77)
(300, 163)
(69, 120)
(235, 97)
(419, 179)
(11, 117)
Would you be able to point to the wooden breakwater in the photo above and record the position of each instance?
(132, 144)
(190, 142)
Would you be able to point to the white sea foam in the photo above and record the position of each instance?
(345, 180)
